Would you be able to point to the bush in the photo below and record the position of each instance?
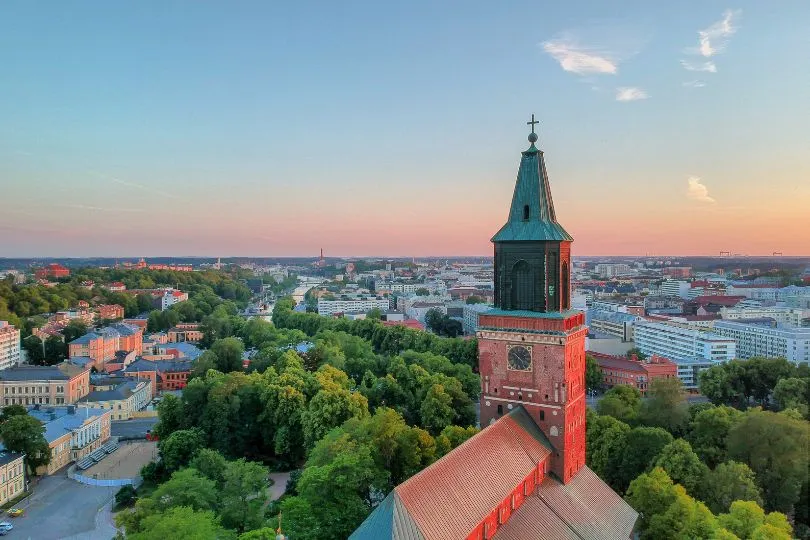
(125, 497)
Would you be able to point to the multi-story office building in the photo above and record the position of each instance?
(677, 342)
(61, 384)
(689, 371)
(787, 316)
(674, 287)
(100, 346)
(358, 304)
(9, 345)
(756, 340)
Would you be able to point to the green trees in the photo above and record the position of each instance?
(621, 402)
(35, 350)
(181, 523)
(186, 487)
(775, 446)
(228, 354)
(792, 393)
(243, 495)
(728, 482)
(475, 299)
(605, 437)
(666, 511)
(25, 434)
(642, 446)
(437, 412)
(738, 382)
(74, 329)
(665, 406)
(55, 350)
(682, 465)
(593, 375)
(709, 430)
(178, 448)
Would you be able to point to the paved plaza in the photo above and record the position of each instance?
(126, 462)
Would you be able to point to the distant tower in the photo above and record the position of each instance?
(532, 345)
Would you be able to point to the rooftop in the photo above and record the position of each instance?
(122, 391)
(63, 372)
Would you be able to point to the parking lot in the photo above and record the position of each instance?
(63, 509)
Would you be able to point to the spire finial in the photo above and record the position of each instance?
(532, 135)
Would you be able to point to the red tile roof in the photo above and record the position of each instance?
(720, 300)
(410, 323)
(585, 508)
(450, 498)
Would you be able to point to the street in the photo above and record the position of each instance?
(61, 508)
(132, 428)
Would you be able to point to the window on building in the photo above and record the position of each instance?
(542, 415)
(500, 410)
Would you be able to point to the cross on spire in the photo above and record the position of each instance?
(532, 123)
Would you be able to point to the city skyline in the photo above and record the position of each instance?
(255, 131)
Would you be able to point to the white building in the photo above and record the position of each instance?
(609, 270)
(754, 292)
(471, 313)
(418, 310)
(782, 315)
(754, 340)
(359, 304)
(689, 370)
(680, 343)
(613, 323)
(675, 287)
(171, 297)
(9, 345)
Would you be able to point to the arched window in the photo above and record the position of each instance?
(526, 212)
(522, 286)
(553, 282)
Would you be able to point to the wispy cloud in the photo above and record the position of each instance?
(694, 84)
(712, 41)
(134, 185)
(697, 191)
(707, 66)
(630, 93)
(99, 208)
(577, 58)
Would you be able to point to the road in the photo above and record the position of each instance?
(132, 428)
(63, 509)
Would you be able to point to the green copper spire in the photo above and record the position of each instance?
(531, 216)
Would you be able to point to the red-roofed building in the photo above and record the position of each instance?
(53, 270)
(116, 286)
(409, 323)
(110, 311)
(618, 370)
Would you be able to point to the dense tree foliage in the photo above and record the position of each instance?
(25, 434)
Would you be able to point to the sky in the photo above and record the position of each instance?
(254, 128)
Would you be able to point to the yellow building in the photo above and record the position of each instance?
(72, 433)
(12, 475)
(122, 399)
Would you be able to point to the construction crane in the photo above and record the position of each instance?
(725, 254)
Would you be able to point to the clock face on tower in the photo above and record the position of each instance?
(520, 358)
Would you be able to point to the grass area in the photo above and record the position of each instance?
(13, 502)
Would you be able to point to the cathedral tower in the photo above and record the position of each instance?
(532, 345)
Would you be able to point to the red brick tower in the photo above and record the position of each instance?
(532, 345)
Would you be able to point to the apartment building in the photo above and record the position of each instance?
(72, 433)
(9, 345)
(756, 340)
(61, 384)
(101, 345)
(357, 304)
(185, 332)
(787, 316)
(612, 323)
(678, 342)
(163, 374)
(674, 287)
(12, 475)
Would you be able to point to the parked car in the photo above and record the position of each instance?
(16, 512)
(6, 526)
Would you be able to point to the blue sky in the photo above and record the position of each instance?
(270, 128)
